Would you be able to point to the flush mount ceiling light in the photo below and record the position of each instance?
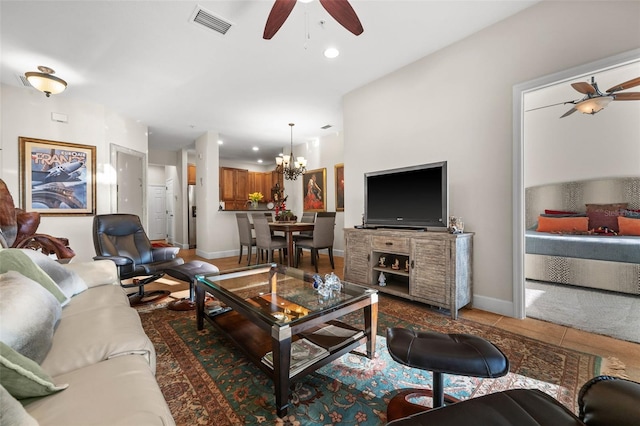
(331, 53)
(288, 165)
(45, 81)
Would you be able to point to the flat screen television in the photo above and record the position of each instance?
(409, 197)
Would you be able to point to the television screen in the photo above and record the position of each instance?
(415, 197)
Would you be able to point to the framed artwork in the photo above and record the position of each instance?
(314, 185)
(339, 174)
(57, 178)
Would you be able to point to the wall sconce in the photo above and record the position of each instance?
(45, 81)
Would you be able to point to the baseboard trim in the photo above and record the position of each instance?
(497, 306)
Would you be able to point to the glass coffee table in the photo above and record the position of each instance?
(282, 324)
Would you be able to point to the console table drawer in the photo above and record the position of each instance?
(391, 244)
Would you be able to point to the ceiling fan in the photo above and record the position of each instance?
(340, 10)
(594, 100)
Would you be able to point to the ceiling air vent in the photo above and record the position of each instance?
(209, 20)
(23, 80)
(326, 126)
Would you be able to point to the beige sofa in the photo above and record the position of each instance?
(97, 366)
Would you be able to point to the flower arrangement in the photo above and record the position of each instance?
(254, 197)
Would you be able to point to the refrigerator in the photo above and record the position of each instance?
(191, 213)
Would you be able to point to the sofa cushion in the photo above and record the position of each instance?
(94, 297)
(605, 215)
(119, 391)
(68, 280)
(12, 412)
(28, 315)
(93, 336)
(22, 377)
(562, 224)
(96, 273)
(17, 260)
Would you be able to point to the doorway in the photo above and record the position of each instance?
(519, 160)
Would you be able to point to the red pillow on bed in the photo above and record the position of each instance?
(563, 224)
(547, 211)
(605, 215)
(629, 226)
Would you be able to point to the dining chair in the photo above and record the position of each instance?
(307, 217)
(246, 239)
(323, 234)
(264, 239)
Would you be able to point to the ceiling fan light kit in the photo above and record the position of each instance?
(45, 81)
(595, 101)
(289, 166)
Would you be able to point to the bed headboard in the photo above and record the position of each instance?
(574, 195)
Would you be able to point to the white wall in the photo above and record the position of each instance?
(456, 105)
(26, 112)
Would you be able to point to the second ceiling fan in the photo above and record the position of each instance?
(594, 100)
(340, 10)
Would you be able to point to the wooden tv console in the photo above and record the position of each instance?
(439, 264)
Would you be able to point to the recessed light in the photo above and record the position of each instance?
(220, 142)
(331, 53)
(255, 148)
(259, 160)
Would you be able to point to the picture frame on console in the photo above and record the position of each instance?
(314, 185)
(57, 178)
(339, 176)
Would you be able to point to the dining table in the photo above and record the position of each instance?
(289, 228)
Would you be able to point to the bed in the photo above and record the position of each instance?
(606, 262)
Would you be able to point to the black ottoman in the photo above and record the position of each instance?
(187, 272)
(458, 354)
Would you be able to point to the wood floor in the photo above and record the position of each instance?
(610, 349)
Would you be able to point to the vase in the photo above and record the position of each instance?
(254, 205)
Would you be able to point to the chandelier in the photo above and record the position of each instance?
(288, 165)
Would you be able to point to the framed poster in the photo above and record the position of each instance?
(339, 174)
(57, 178)
(314, 185)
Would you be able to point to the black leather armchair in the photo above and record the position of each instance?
(602, 401)
(121, 238)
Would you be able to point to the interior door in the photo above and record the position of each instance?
(171, 223)
(157, 212)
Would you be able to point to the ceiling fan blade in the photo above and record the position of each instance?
(626, 85)
(629, 96)
(279, 13)
(551, 105)
(342, 12)
(571, 111)
(584, 87)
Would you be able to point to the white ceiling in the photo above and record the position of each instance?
(147, 61)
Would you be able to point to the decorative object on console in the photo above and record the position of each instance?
(45, 81)
(288, 165)
(381, 262)
(456, 225)
(382, 280)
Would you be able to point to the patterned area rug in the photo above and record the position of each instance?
(207, 381)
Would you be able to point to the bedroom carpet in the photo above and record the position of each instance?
(600, 312)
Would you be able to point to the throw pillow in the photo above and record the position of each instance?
(12, 412)
(69, 281)
(547, 211)
(563, 224)
(29, 315)
(23, 377)
(604, 215)
(631, 213)
(629, 226)
(17, 260)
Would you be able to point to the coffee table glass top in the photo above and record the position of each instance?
(280, 295)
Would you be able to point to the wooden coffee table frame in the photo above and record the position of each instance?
(256, 336)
